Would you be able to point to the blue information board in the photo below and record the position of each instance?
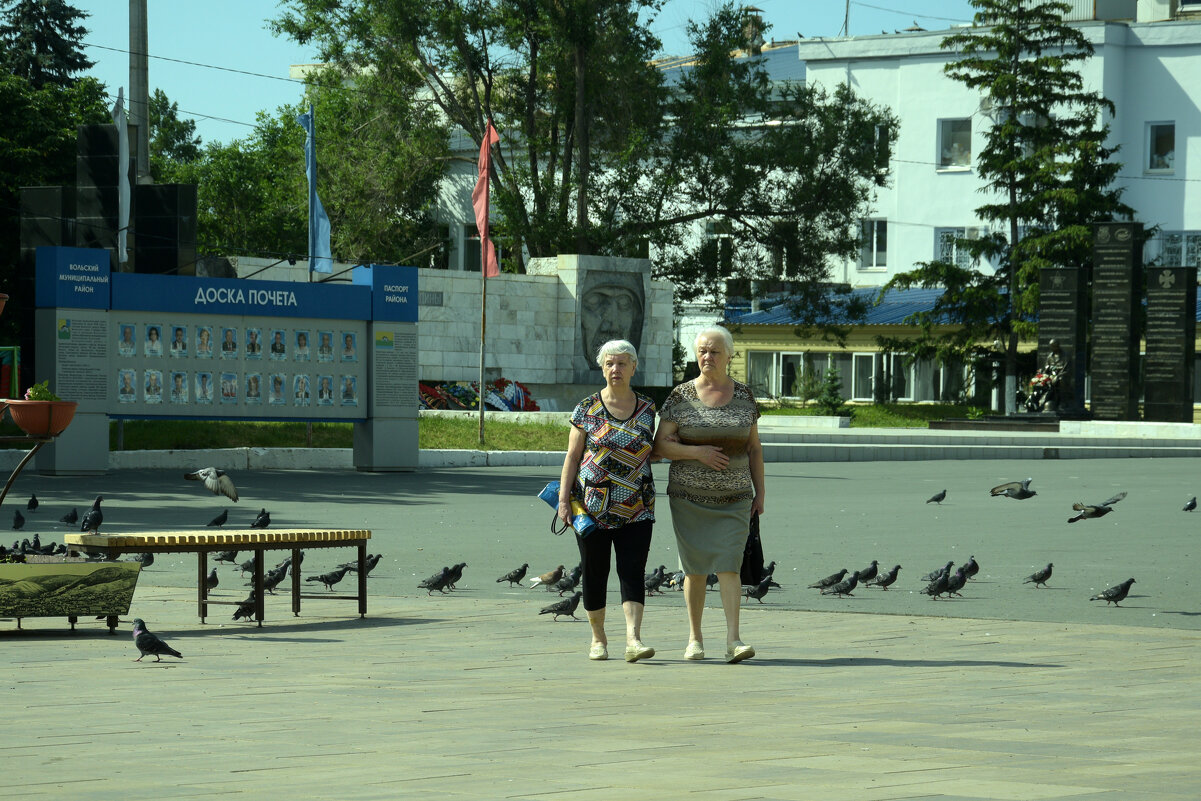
(72, 278)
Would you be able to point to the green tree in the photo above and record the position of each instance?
(40, 41)
(1047, 173)
(172, 140)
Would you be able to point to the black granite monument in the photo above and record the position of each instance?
(1117, 291)
(1171, 344)
(1062, 318)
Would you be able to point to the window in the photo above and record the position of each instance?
(719, 247)
(882, 149)
(1181, 249)
(1161, 146)
(873, 244)
(950, 247)
(759, 372)
(955, 144)
(864, 368)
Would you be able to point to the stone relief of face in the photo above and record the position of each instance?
(609, 311)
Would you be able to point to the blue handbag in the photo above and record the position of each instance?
(581, 521)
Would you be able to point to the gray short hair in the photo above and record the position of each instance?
(718, 332)
(612, 348)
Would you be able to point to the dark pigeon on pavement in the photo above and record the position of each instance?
(568, 583)
(247, 566)
(369, 565)
(456, 573)
(438, 581)
(273, 578)
(1039, 577)
(1114, 594)
(262, 521)
(942, 571)
(329, 579)
(828, 581)
(971, 567)
(938, 498)
(564, 607)
(219, 520)
(843, 587)
(32, 504)
(1018, 490)
(514, 577)
(654, 581)
(885, 580)
(71, 517)
(1191, 505)
(245, 608)
(710, 581)
(868, 573)
(217, 481)
(955, 582)
(148, 643)
(937, 586)
(18, 520)
(759, 590)
(1089, 511)
(229, 557)
(93, 518)
(147, 559)
(212, 581)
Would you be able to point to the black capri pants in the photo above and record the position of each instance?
(631, 544)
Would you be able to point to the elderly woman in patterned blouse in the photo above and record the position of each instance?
(708, 428)
(608, 470)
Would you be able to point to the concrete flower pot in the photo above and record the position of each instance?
(39, 418)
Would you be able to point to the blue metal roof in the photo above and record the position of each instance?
(892, 310)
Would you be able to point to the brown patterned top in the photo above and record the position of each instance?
(728, 427)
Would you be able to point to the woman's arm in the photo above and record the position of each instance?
(571, 468)
(754, 452)
(668, 446)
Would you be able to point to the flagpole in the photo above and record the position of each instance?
(483, 326)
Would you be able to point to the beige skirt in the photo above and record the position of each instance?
(711, 537)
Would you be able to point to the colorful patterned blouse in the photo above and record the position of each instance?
(728, 427)
(615, 481)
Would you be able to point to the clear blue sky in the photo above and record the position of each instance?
(233, 34)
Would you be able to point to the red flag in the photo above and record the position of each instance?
(479, 200)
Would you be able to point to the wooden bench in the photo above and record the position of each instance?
(254, 540)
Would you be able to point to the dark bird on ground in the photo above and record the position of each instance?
(147, 559)
(1039, 577)
(212, 581)
(229, 557)
(884, 580)
(568, 583)
(549, 577)
(247, 566)
(71, 517)
(456, 573)
(438, 581)
(1088, 511)
(843, 587)
(37, 542)
(937, 586)
(32, 504)
(759, 590)
(971, 567)
(18, 520)
(217, 481)
(1114, 594)
(262, 521)
(564, 607)
(273, 578)
(955, 582)
(868, 573)
(1018, 490)
(369, 565)
(245, 608)
(515, 576)
(93, 518)
(769, 573)
(653, 582)
(828, 581)
(939, 498)
(676, 580)
(710, 581)
(329, 579)
(220, 519)
(1191, 505)
(942, 571)
(148, 643)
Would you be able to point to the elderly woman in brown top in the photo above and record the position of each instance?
(708, 428)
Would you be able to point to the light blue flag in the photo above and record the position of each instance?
(320, 259)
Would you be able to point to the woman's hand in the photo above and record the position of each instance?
(757, 505)
(712, 457)
(564, 512)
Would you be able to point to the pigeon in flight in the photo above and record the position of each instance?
(939, 498)
(549, 577)
(1114, 594)
(868, 573)
(564, 607)
(1099, 510)
(220, 519)
(438, 581)
(93, 518)
(262, 521)
(71, 517)
(217, 481)
(1191, 505)
(212, 581)
(148, 643)
(329, 579)
(1018, 490)
(18, 520)
(32, 504)
(885, 580)
(1039, 577)
(759, 590)
(942, 571)
(843, 587)
(515, 576)
(828, 581)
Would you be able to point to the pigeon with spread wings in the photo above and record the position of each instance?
(216, 481)
(1088, 511)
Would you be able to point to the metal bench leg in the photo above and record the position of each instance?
(363, 579)
(296, 582)
(202, 587)
(259, 601)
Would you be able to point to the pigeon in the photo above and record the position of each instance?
(36, 545)
(217, 481)
(368, 566)
(758, 591)
(971, 567)
(262, 521)
(212, 581)
(1039, 576)
(549, 577)
(884, 580)
(1191, 505)
(566, 584)
(93, 518)
(147, 559)
(1114, 594)
(18, 520)
(220, 519)
(247, 566)
(436, 582)
(565, 607)
(937, 586)
(455, 574)
(245, 608)
(654, 581)
(148, 643)
(939, 498)
(329, 579)
(676, 580)
(710, 581)
(515, 576)
(1099, 510)
(843, 587)
(32, 504)
(274, 578)
(868, 573)
(71, 517)
(942, 571)
(227, 556)
(828, 581)
(955, 582)
(1018, 490)
(769, 573)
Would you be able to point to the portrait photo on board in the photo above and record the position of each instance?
(126, 346)
(179, 341)
(229, 387)
(154, 341)
(301, 352)
(325, 346)
(154, 386)
(325, 390)
(179, 387)
(254, 343)
(349, 352)
(275, 395)
(229, 343)
(204, 341)
(279, 345)
(204, 387)
(127, 391)
(254, 390)
(350, 392)
(301, 392)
